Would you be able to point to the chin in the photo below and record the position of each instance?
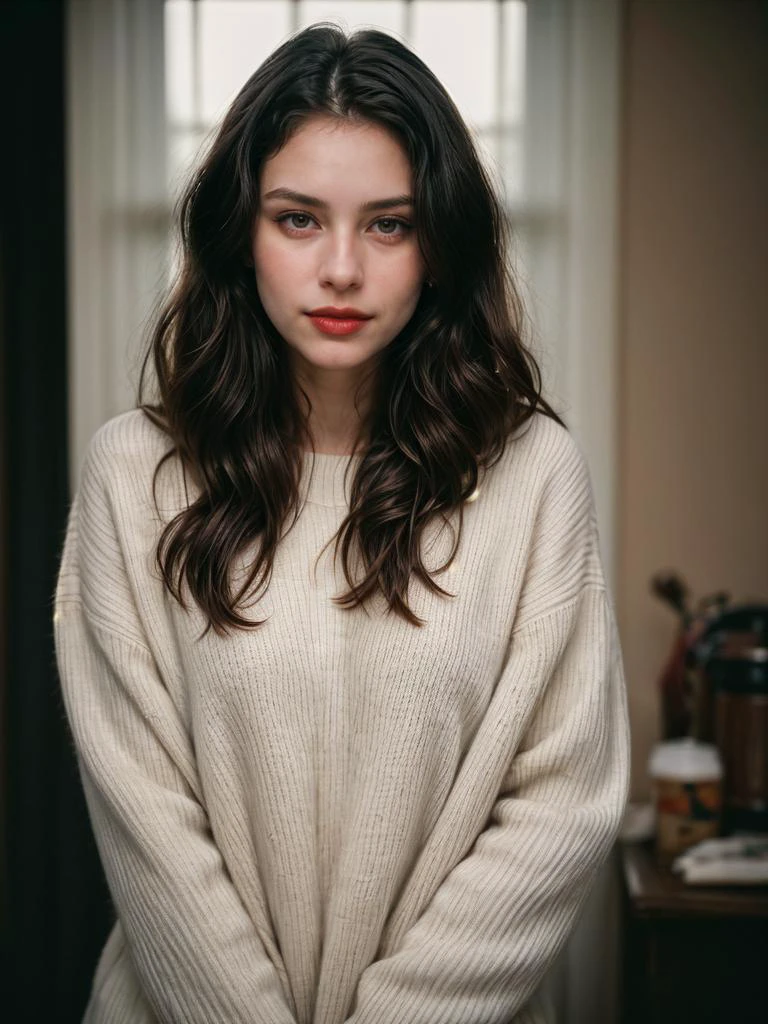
(340, 363)
(341, 354)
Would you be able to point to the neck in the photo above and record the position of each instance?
(340, 405)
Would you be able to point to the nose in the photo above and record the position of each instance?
(341, 266)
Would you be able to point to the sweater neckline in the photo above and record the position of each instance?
(322, 479)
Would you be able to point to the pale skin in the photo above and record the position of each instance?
(344, 237)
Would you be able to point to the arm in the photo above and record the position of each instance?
(481, 946)
(195, 950)
(498, 920)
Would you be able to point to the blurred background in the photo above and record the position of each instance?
(628, 139)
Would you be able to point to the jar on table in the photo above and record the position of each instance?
(688, 787)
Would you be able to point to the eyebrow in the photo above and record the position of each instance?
(304, 200)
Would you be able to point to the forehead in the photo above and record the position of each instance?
(336, 157)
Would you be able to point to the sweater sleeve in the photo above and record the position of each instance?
(482, 944)
(194, 947)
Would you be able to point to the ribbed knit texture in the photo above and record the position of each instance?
(339, 816)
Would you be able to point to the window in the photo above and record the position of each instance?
(475, 47)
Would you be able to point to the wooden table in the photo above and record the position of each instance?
(691, 954)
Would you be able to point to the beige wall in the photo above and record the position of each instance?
(693, 323)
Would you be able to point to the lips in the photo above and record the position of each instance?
(340, 313)
(335, 320)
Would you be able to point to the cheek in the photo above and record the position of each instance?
(404, 278)
(275, 265)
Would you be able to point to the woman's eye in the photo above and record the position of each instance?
(392, 226)
(298, 221)
(389, 225)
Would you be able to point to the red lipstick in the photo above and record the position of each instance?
(334, 320)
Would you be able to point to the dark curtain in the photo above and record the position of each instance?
(56, 909)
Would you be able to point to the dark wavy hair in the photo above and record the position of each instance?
(449, 389)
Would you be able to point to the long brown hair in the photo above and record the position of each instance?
(450, 388)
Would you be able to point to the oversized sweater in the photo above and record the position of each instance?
(340, 816)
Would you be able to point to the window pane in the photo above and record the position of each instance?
(384, 14)
(513, 71)
(458, 42)
(184, 149)
(512, 113)
(235, 36)
(179, 66)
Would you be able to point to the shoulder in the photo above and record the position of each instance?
(121, 459)
(543, 461)
(115, 522)
(128, 441)
(541, 502)
(543, 442)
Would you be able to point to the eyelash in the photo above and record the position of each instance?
(404, 225)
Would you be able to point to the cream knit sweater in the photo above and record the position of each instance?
(339, 816)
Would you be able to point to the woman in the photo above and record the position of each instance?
(333, 634)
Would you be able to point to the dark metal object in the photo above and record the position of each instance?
(733, 657)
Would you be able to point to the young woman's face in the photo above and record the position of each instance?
(338, 266)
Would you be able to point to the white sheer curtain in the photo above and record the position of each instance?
(559, 174)
(570, 262)
(117, 201)
(569, 221)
